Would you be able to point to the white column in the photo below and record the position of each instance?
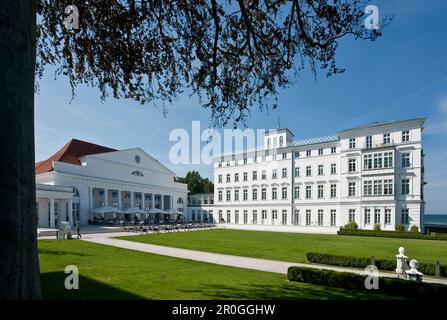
(152, 200)
(51, 212)
(131, 199)
(143, 201)
(70, 211)
(172, 202)
(119, 199)
(106, 197)
(162, 206)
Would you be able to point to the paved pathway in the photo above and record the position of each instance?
(221, 259)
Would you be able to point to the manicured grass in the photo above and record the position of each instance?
(294, 246)
(113, 273)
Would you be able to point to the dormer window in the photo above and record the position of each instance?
(137, 173)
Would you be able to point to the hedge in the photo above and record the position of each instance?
(352, 281)
(360, 262)
(390, 234)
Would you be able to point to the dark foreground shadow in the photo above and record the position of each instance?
(89, 289)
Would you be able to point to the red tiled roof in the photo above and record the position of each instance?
(70, 153)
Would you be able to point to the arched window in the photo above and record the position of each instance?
(281, 142)
(180, 201)
(137, 173)
(75, 192)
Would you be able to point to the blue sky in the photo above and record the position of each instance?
(402, 75)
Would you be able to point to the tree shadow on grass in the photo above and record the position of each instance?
(286, 291)
(60, 252)
(53, 288)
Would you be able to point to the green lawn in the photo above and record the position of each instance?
(294, 246)
(113, 273)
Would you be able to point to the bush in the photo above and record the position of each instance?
(377, 227)
(414, 228)
(351, 226)
(399, 228)
(352, 281)
(390, 234)
(361, 262)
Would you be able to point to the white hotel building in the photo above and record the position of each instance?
(83, 176)
(371, 175)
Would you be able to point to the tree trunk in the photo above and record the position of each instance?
(19, 265)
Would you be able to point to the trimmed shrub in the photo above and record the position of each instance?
(399, 228)
(414, 228)
(390, 234)
(377, 227)
(351, 226)
(428, 269)
(352, 281)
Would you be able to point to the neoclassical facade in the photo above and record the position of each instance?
(372, 174)
(82, 177)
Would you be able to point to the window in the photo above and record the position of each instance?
(376, 216)
(377, 187)
(236, 195)
(377, 161)
(297, 154)
(387, 216)
(367, 216)
(255, 175)
(228, 178)
(351, 189)
(228, 216)
(245, 176)
(351, 166)
(245, 160)
(228, 195)
(255, 216)
(386, 138)
(351, 215)
(405, 136)
(388, 160)
(263, 215)
(333, 217)
(367, 188)
(388, 187)
(220, 216)
(274, 174)
(334, 150)
(274, 193)
(297, 192)
(308, 216)
(284, 217)
(269, 143)
(263, 175)
(274, 214)
(284, 193)
(275, 142)
(245, 216)
(284, 172)
(264, 194)
(368, 142)
(281, 142)
(236, 177)
(296, 217)
(320, 191)
(308, 171)
(297, 171)
(320, 152)
(367, 162)
(220, 195)
(405, 160)
(351, 143)
(245, 194)
(308, 153)
(255, 194)
(308, 192)
(405, 186)
(236, 216)
(405, 216)
(320, 170)
(220, 178)
(333, 168)
(284, 156)
(137, 173)
(320, 217)
(333, 190)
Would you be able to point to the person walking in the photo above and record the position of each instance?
(78, 230)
